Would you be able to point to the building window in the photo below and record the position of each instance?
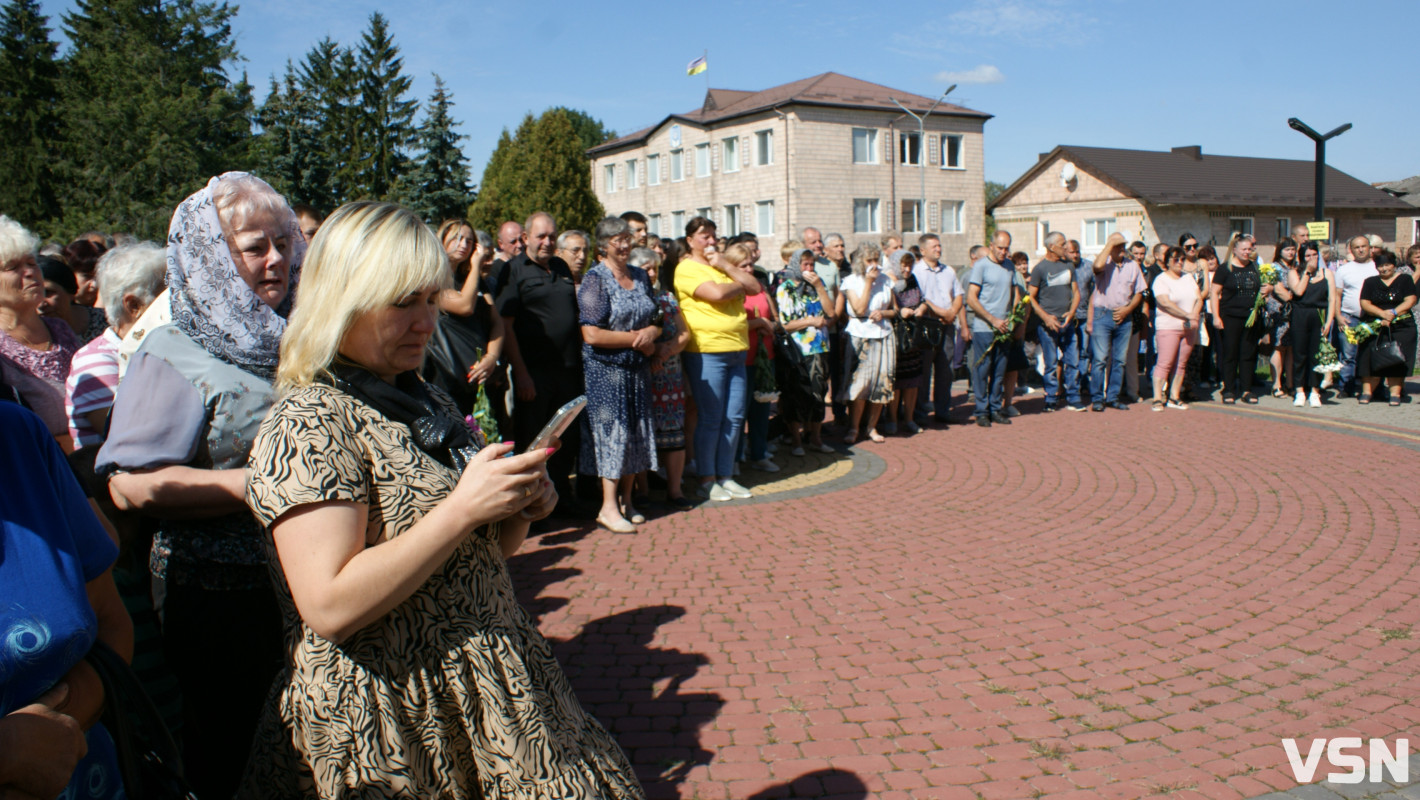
(730, 154)
(1284, 228)
(1042, 230)
(653, 170)
(610, 172)
(633, 179)
(953, 216)
(704, 212)
(909, 150)
(764, 148)
(911, 216)
(1096, 232)
(653, 224)
(866, 217)
(764, 218)
(951, 151)
(732, 221)
(677, 224)
(677, 165)
(702, 160)
(1239, 225)
(865, 146)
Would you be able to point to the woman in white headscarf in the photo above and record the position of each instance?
(181, 430)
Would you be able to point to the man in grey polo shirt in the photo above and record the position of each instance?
(990, 294)
(1054, 296)
(943, 296)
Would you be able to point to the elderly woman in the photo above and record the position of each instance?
(667, 377)
(470, 324)
(60, 287)
(620, 325)
(130, 276)
(911, 304)
(870, 357)
(412, 672)
(711, 288)
(35, 351)
(180, 432)
(1386, 298)
(805, 307)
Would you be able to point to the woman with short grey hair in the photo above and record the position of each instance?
(870, 355)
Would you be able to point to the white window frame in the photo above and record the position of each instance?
(653, 224)
(956, 211)
(870, 139)
(733, 224)
(903, 137)
(1042, 230)
(677, 224)
(633, 175)
(764, 218)
(1247, 229)
(1092, 238)
(707, 212)
(653, 169)
(678, 165)
(702, 166)
(942, 151)
(917, 207)
(764, 148)
(874, 211)
(609, 178)
(730, 154)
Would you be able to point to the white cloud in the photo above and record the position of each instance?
(1007, 19)
(986, 73)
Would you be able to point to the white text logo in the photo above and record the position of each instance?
(1304, 770)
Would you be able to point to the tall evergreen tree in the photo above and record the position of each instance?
(326, 110)
(29, 94)
(437, 187)
(543, 167)
(589, 129)
(386, 117)
(148, 109)
(498, 189)
(288, 151)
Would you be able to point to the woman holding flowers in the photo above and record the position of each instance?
(1237, 290)
(1386, 301)
(1313, 313)
(871, 360)
(1277, 313)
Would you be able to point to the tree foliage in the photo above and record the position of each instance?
(29, 95)
(437, 187)
(542, 167)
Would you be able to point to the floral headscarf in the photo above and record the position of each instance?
(211, 302)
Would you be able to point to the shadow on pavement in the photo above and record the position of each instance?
(821, 783)
(533, 572)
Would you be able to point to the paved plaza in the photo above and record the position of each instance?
(1117, 605)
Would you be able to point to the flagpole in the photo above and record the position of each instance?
(705, 54)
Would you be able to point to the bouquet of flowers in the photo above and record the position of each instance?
(1269, 275)
(481, 420)
(766, 388)
(1018, 315)
(1367, 330)
(1327, 359)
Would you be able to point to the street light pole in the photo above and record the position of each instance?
(922, 150)
(1319, 202)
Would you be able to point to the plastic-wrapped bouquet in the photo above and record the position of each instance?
(481, 420)
(1367, 330)
(1269, 275)
(1017, 316)
(766, 388)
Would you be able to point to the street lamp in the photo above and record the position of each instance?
(922, 149)
(1319, 202)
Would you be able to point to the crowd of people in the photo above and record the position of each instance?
(292, 480)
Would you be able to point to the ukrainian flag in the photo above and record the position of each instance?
(696, 67)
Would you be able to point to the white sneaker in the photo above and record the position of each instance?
(765, 465)
(713, 491)
(797, 451)
(733, 490)
(1314, 401)
(1301, 400)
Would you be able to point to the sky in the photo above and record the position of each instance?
(1223, 74)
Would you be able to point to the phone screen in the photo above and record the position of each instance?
(559, 423)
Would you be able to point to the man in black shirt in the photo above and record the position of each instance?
(543, 341)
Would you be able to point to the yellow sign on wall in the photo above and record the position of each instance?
(1319, 231)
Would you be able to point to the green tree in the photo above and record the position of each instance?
(288, 151)
(991, 191)
(437, 187)
(386, 118)
(542, 167)
(148, 110)
(589, 129)
(29, 95)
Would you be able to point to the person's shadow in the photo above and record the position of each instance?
(834, 783)
(533, 572)
(637, 691)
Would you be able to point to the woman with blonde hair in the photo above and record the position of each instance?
(412, 670)
(465, 351)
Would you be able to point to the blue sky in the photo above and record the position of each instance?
(1146, 75)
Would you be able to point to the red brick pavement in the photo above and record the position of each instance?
(1115, 605)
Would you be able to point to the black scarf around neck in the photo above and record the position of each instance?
(407, 401)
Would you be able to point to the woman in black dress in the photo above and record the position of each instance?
(1313, 314)
(1384, 297)
(466, 349)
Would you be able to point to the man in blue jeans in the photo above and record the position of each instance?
(1349, 277)
(1119, 288)
(1085, 281)
(990, 295)
(1054, 297)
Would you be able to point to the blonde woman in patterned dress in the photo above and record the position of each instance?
(412, 671)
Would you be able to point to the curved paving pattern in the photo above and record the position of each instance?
(1115, 605)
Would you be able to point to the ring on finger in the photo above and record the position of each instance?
(527, 491)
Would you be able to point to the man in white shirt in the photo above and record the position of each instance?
(1349, 277)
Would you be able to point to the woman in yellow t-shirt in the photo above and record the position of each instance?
(711, 289)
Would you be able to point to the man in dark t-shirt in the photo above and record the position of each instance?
(1055, 297)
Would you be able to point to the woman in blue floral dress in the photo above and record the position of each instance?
(667, 378)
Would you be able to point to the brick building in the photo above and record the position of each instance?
(1089, 192)
(829, 151)
(1407, 226)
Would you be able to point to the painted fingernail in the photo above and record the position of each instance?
(551, 450)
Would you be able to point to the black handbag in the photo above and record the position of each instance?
(929, 333)
(453, 349)
(149, 762)
(1385, 353)
(905, 332)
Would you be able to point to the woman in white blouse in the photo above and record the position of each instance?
(867, 299)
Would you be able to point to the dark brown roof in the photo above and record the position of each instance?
(829, 89)
(1187, 176)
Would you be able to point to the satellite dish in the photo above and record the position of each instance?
(1067, 174)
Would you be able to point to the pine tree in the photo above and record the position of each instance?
(325, 110)
(287, 152)
(29, 95)
(148, 109)
(387, 118)
(437, 187)
(542, 167)
(499, 188)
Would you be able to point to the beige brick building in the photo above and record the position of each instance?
(1089, 192)
(829, 151)
(1407, 226)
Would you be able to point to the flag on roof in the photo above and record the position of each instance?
(696, 67)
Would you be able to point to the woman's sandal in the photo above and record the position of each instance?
(1230, 401)
(876, 437)
(1394, 402)
(619, 526)
(1158, 405)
